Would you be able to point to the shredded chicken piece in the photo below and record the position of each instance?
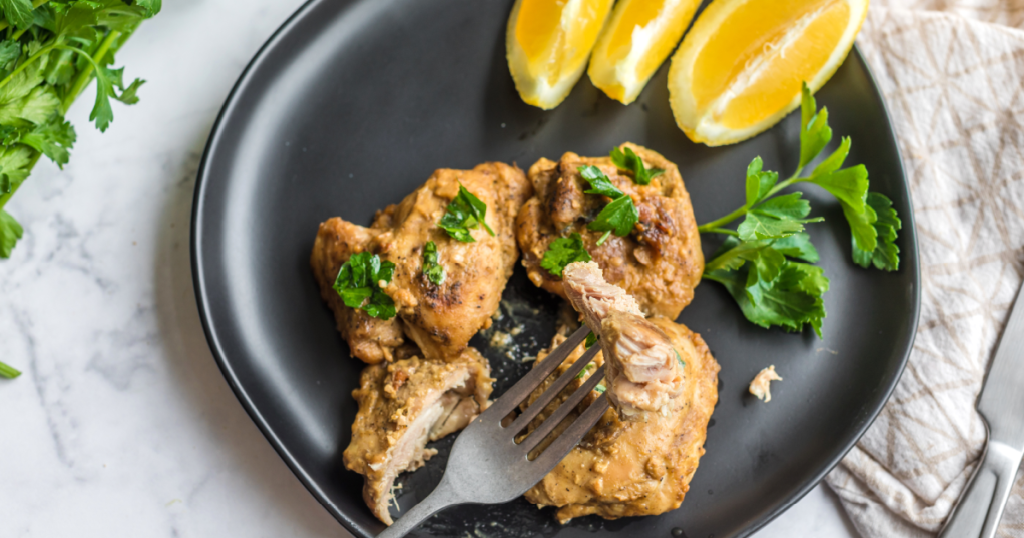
(592, 296)
(643, 370)
(403, 405)
(761, 385)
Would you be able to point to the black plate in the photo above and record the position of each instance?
(352, 104)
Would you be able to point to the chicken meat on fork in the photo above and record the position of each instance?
(644, 370)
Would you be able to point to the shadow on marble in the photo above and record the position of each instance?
(199, 379)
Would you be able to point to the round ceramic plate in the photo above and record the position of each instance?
(352, 104)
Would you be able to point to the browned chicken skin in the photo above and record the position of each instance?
(372, 340)
(659, 263)
(642, 369)
(634, 467)
(402, 405)
(440, 319)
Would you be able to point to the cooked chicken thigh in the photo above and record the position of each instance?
(439, 318)
(659, 262)
(372, 340)
(642, 369)
(634, 467)
(402, 405)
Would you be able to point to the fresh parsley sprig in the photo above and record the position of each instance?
(50, 52)
(465, 212)
(359, 285)
(562, 252)
(629, 161)
(757, 262)
(432, 267)
(618, 216)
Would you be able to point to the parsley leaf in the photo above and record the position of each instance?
(680, 358)
(54, 140)
(815, 133)
(776, 218)
(358, 285)
(465, 212)
(10, 233)
(797, 246)
(630, 162)
(885, 254)
(599, 182)
(789, 295)
(562, 252)
(591, 340)
(759, 183)
(590, 366)
(432, 269)
(17, 12)
(618, 217)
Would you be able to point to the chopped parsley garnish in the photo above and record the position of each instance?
(432, 269)
(465, 212)
(591, 340)
(359, 285)
(590, 366)
(562, 252)
(630, 162)
(758, 262)
(600, 388)
(680, 357)
(620, 215)
(599, 182)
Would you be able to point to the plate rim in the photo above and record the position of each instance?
(224, 364)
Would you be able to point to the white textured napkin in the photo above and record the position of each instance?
(952, 73)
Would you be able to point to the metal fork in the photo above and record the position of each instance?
(487, 466)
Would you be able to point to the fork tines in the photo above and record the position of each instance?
(525, 386)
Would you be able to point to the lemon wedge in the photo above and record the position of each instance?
(740, 69)
(636, 41)
(548, 43)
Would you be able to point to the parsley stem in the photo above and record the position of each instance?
(14, 188)
(725, 231)
(28, 62)
(8, 371)
(715, 226)
(85, 76)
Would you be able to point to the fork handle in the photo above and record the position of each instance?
(443, 496)
(978, 512)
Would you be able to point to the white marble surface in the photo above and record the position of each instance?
(121, 424)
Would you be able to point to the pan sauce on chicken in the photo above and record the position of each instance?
(629, 466)
(402, 405)
(440, 319)
(659, 263)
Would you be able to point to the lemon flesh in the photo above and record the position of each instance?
(548, 43)
(638, 38)
(741, 68)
